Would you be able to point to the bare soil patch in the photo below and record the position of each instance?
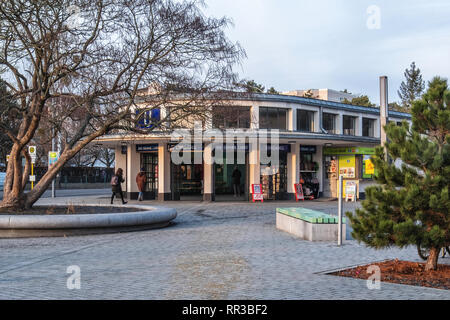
(69, 210)
(404, 272)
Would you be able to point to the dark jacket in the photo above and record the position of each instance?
(236, 176)
(141, 179)
(118, 188)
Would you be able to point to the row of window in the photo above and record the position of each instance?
(277, 118)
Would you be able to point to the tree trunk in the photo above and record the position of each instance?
(432, 261)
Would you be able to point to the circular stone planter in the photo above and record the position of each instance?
(27, 226)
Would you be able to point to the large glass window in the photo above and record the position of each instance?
(349, 125)
(272, 118)
(368, 128)
(329, 122)
(231, 117)
(305, 121)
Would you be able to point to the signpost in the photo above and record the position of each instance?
(32, 153)
(257, 193)
(53, 156)
(341, 188)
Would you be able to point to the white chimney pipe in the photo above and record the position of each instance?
(384, 108)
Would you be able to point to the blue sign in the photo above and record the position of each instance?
(146, 147)
(149, 118)
(308, 149)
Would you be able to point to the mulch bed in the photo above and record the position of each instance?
(62, 210)
(404, 272)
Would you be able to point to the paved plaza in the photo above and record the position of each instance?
(212, 251)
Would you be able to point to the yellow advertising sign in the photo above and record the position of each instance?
(347, 166)
(370, 167)
(351, 186)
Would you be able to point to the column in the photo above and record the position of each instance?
(133, 168)
(254, 117)
(208, 181)
(359, 126)
(254, 166)
(293, 169)
(292, 119)
(340, 124)
(164, 188)
(120, 162)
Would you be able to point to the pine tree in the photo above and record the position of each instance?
(412, 89)
(411, 204)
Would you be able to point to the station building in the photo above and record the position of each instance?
(318, 140)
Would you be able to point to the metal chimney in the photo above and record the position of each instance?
(384, 108)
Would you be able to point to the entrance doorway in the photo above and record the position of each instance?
(149, 162)
(187, 181)
(226, 177)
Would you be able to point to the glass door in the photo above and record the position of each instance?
(149, 162)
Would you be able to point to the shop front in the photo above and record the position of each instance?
(231, 174)
(310, 170)
(187, 176)
(353, 163)
(274, 178)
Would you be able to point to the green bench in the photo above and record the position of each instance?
(311, 216)
(309, 224)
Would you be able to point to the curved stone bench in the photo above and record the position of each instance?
(23, 226)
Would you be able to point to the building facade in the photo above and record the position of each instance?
(323, 94)
(317, 141)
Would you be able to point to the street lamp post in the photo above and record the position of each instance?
(340, 210)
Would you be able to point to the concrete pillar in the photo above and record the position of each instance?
(208, 175)
(254, 117)
(254, 166)
(292, 119)
(133, 168)
(120, 162)
(340, 124)
(164, 188)
(359, 126)
(293, 169)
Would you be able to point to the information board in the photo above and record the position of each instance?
(299, 192)
(257, 193)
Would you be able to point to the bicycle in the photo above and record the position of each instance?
(424, 253)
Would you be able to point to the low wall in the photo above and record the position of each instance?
(19, 226)
(309, 231)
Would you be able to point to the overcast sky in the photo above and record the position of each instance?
(303, 44)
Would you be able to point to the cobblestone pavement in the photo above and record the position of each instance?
(213, 251)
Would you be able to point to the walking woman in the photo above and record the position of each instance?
(116, 184)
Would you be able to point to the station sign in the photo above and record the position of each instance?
(32, 153)
(308, 149)
(147, 147)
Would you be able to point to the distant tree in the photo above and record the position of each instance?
(346, 91)
(272, 91)
(411, 89)
(362, 100)
(411, 204)
(251, 86)
(397, 107)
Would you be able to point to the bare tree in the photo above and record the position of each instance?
(95, 56)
